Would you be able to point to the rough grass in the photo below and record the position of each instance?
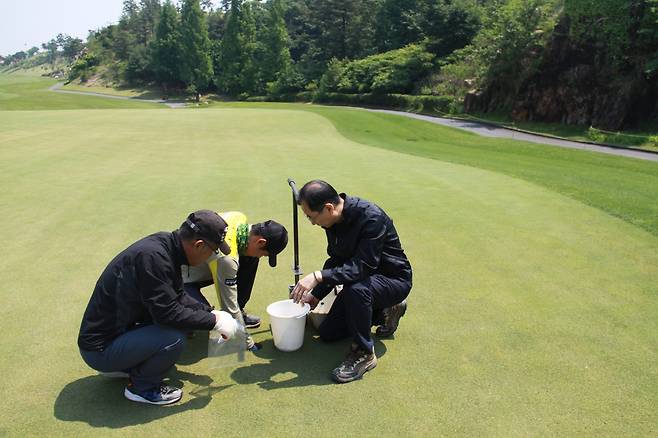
(21, 91)
(532, 313)
(643, 137)
(140, 93)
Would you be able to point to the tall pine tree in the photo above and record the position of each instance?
(196, 67)
(400, 23)
(166, 53)
(249, 79)
(277, 53)
(228, 64)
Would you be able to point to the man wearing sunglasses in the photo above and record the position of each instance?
(136, 319)
(366, 257)
(233, 273)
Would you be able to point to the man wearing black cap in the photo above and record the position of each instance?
(366, 257)
(233, 273)
(135, 321)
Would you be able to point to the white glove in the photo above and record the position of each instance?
(225, 325)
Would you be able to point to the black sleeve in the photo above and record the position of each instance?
(186, 300)
(367, 257)
(322, 290)
(162, 300)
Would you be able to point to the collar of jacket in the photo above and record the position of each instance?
(179, 253)
(348, 207)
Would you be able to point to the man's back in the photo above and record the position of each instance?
(366, 233)
(126, 293)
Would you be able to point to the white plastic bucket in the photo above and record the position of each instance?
(288, 320)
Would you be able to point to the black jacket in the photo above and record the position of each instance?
(142, 285)
(364, 243)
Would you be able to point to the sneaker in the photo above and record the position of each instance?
(162, 395)
(250, 321)
(355, 365)
(115, 374)
(392, 317)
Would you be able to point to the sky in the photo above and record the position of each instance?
(28, 23)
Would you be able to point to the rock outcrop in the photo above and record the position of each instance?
(574, 85)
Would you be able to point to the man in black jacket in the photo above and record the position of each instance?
(138, 313)
(366, 257)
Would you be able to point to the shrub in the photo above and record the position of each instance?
(288, 81)
(595, 135)
(395, 71)
(427, 104)
(82, 67)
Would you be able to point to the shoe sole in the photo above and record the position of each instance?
(252, 325)
(338, 379)
(139, 399)
(397, 324)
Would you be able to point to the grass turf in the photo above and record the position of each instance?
(27, 92)
(531, 314)
(624, 187)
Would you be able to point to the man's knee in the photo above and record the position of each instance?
(173, 340)
(357, 293)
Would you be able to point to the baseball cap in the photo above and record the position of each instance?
(210, 226)
(276, 236)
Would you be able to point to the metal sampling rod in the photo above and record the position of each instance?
(296, 269)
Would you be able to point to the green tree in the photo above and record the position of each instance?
(146, 20)
(196, 68)
(341, 29)
(648, 38)
(450, 25)
(51, 48)
(275, 39)
(130, 10)
(71, 47)
(298, 26)
(216, 24)
(166, 50)
(400, 23)
(228, 63)
(249, 78)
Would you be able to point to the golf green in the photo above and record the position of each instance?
(532, 313)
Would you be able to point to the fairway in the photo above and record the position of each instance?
(533, 310)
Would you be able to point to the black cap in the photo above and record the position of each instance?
(276, 237)
(210, 226)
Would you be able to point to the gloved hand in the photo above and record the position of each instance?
(225, 325)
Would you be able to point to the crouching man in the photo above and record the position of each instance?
(138, 314)
(233, 273)
(366, 257)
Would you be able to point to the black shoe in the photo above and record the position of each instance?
(392, 317)
(162, 395)
(355, 365)
(250, 321)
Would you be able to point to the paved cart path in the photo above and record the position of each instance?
(169, 103)
(495, 131)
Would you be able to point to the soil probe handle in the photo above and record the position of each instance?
(295, 192)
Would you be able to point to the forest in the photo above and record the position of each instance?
(580, 62)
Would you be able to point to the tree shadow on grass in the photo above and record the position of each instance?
(311, 365)
(99, 401)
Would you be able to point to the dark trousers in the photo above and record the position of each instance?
(352, 311)
(247, 268)
(146, 353)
